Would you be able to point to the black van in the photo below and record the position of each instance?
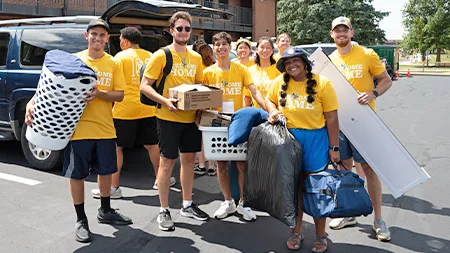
(24, 43)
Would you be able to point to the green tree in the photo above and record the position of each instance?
(427, 23)
(309, 21)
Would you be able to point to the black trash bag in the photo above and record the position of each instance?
(273, 174)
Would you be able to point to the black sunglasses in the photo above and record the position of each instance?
(180, 29)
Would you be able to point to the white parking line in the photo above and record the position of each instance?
(17, 179)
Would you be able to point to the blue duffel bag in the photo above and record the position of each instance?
(335, 194)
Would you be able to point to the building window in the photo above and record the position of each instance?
(223, 4)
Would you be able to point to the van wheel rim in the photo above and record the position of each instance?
(40, 154)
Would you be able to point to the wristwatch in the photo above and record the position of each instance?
(375, 92)
(334, 148)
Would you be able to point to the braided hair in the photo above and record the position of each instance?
(310, 85)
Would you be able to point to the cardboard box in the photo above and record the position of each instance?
(214, 118)
(196, 96)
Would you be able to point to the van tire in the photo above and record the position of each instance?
(45, 160)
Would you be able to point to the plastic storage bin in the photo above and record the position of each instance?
(58, 107)
(216, 147)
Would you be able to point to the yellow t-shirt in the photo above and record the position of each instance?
(298, 112)
(231, 81)
(248, 64)
(262, 79)
(189, 73)
(131, 107)
(97, 121)
(276, 56)
(359, 66)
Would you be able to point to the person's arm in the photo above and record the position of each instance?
(147, 89)
(29, 111)
(332, 125)
(110, 96)
(384, 83)
(257, 95)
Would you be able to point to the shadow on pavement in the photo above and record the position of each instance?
(412, 241)
(131, 240)
(414, 204)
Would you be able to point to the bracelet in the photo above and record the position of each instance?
(272, 111)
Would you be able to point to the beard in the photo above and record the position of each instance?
(181, 42)
(342, 43)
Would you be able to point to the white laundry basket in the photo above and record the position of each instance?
(57, 109)
(216, 147)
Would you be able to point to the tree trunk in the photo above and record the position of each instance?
(438, 55)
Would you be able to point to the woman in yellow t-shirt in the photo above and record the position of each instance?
(244, 51)
(310, 105)
(232, 78)
(207, 55)
(264, 70)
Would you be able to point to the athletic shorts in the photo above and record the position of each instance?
(175, 138)
(347, 150)
(84, 157)
(136, 132)
(315, 147)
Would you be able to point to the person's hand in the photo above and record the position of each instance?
(198, 117)
(273, 116)
(169, 103)
(90, 96)
(366, 98)
(334, 156)
(29, 112)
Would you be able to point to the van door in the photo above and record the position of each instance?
(5, 38)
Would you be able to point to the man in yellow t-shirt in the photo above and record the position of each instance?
(92, 148)
(232, 78)
(359, 65)
(177, 129)
(135, 122)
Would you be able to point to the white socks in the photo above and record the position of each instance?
(187, 203)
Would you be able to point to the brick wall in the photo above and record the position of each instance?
(23, 2)
(88, 5)
(264, 18)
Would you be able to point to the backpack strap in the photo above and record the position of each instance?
(166, 71)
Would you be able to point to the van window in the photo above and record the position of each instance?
(4, 42)
(36, 43)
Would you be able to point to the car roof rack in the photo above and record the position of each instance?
(48, 21)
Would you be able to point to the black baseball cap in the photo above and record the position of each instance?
(292, 52)
(99, 22)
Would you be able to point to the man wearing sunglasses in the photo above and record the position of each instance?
(177, 130)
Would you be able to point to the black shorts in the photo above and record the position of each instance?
(84, 157)
(136, 131)
(175, 136)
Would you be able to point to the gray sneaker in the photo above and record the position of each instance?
(173, 181)
(82, 233)
(382, 231)
(165, 222)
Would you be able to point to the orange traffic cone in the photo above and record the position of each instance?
(408, 74)
(396, 74)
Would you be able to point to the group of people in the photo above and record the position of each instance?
(280, 84)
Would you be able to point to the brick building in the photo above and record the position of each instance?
(252, 18)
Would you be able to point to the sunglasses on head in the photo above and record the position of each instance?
(180, 28)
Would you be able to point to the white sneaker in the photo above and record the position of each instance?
(114, 193)
(339, 223)
(225, 209)
(173, 181)
(246, 212)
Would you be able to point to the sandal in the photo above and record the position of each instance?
(319, 243)
(296, 240)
